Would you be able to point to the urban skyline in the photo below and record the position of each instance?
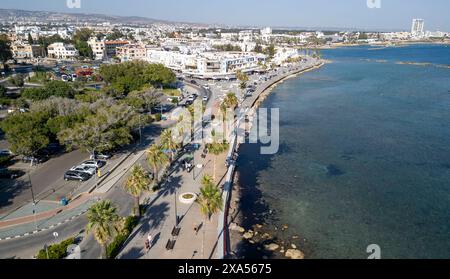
(355, 14)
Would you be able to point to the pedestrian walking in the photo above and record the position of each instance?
(147, 246)
(149, 239)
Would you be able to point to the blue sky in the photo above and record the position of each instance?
(393, 14)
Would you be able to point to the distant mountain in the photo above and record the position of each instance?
(7, 15)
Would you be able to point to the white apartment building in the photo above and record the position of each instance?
(174, 60)
(223, 64)
(282, 54)
(98, 48)
(62, 51)
(417, 29)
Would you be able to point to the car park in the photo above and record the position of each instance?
(74, 175)
(84, 169)
(94, 163)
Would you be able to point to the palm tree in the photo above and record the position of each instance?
(137, 182)
(216, 148)
(229, 102)
(156, 158)
(169, 143)
(103, 221)
(210, 198)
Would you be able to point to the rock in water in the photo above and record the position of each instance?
(236, 227)
(295, 254)
(248, 235)
(272, 247)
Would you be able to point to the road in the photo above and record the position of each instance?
(47, 181)
(26, 247)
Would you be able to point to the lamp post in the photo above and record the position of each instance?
(34, 201)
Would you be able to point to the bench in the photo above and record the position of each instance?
(176, 231)
(170, 244)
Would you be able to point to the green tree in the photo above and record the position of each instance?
(169, 143)
(108, 128)
(30, 39)
(156, 159)
(216, 148)
(5, 50)
(18, 80)
(26, 132)
(243, 78)
(52, 88)
(210, 199)
(3, 91)
(103, 222)
(137, 182)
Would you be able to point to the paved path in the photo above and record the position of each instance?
(159, 219)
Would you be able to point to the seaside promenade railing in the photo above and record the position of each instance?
(223, 243)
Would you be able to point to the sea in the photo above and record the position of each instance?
(364, 158)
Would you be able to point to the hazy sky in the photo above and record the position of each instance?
(393, 14)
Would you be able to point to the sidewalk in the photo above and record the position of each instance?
(159, 219)
(27, 225)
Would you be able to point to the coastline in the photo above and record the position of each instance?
(238, 226)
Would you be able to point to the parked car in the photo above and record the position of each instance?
(101, 156)
(5, 152)
(74, 175)
(39, 159)
(94, 163)
(10, 174)
(85, 169)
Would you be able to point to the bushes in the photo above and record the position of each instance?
(52, 88)
(114, 247)
(56, 251)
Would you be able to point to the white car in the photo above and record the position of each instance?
(205, 98)
(84, 169)
(97, 164)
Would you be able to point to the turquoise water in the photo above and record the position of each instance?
(364, 157)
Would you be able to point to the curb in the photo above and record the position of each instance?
(45, 229)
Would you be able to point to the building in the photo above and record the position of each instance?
(111, 47)
(131, 52)
(22, 50)
(172, 59)
(210, 65)
(98, 48)
(62, 51)
(417, 29)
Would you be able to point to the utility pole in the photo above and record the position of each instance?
(34, 201)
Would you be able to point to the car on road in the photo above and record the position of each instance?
(94, 163)
(205, 98)
(85, 169)
(74, 175)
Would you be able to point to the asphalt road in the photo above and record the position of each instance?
(27, 247)
(46, 179)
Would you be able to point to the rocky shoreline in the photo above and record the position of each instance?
(253, 234)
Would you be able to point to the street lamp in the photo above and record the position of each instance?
(34, 201)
